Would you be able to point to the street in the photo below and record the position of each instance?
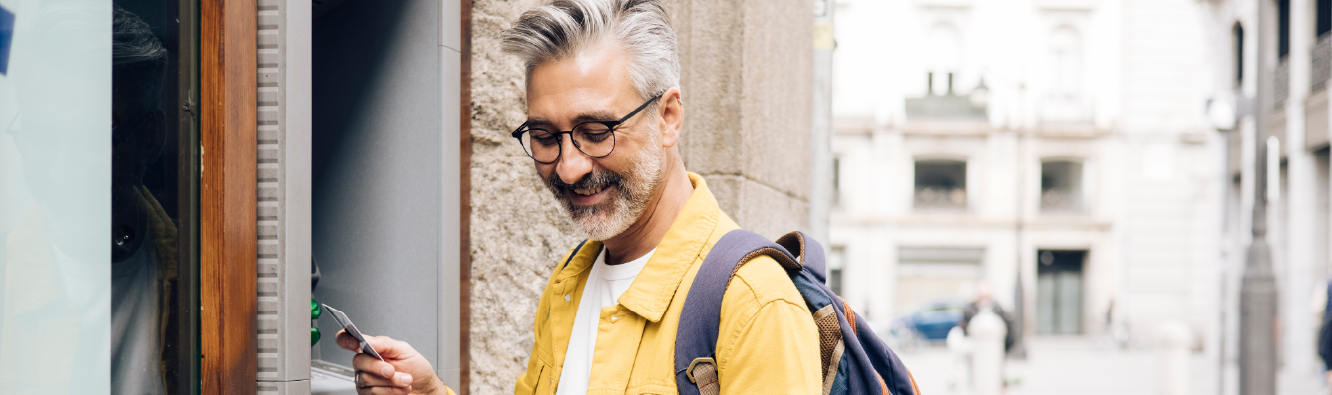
(1081, 365)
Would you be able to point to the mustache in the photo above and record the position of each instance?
(591, 180)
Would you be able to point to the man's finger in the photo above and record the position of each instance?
(389, 348)
(384, 390)
(368, 379)
(372, 365)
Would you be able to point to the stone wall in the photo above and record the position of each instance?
(747, 89)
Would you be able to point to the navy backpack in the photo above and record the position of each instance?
(854, 360)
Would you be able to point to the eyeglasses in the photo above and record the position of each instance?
(594, 138)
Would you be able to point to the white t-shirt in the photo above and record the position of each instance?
(136, 337)
(604, 286)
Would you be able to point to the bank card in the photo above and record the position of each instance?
(351, 330)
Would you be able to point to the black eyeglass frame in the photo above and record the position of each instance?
(610, 128)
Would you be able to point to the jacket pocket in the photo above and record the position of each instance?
(544, 384)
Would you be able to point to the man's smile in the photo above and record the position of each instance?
(589, 196)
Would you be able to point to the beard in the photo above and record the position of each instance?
(622, 207)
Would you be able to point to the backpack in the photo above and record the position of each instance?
(854, 360)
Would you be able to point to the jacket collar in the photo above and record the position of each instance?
(654, 288)
(684, 243)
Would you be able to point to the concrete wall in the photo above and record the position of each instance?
(747, 89)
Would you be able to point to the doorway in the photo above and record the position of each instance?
(1059, 290)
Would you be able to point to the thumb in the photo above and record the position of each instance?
(346, 341)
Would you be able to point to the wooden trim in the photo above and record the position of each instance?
(186, 302)
(228, 241)
(465, 206)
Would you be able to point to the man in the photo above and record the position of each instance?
(604, 121)
(984, 299)
(1323, 315)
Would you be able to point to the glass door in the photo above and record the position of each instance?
(98, 197)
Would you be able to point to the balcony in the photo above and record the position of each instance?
(1320, 68)
(1316, 105)
(948, 106)
(940, 198)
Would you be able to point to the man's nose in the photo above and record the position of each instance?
(573, 165)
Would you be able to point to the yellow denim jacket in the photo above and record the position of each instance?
(767, 342)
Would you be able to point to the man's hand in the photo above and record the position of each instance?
(403, 370)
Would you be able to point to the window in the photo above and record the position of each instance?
(1061, 187)
(1066, 69)
(1238, 32)
(945, 50)
(1283, 28)
(836, 262)
(1323, 20)
(836, 180)
(941, 184)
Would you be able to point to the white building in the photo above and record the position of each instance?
(1086, 166)
(1299, 63)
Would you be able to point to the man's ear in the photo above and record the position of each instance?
(670, 111)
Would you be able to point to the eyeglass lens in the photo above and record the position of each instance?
(592, 138)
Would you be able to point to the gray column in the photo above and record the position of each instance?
(284, 196)
(1258, 293)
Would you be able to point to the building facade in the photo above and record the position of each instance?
(1298, 61)
(1057, 150)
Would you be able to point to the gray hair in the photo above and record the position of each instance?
(138, 59)
(564, 27)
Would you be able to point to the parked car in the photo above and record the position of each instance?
(931, 321)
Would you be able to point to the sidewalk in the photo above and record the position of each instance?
(1082, 366)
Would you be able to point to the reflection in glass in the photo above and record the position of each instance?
(89, 110)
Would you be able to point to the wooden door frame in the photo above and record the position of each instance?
(227, 201)
(465, 208)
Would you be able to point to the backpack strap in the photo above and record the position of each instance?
(807, 251)
(700, 319)
(573, 254)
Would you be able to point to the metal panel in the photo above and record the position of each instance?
(378, 201)
(301, 387)
(284, 199)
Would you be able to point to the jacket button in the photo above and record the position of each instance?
(566, 297)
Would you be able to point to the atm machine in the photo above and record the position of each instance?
(385, 91)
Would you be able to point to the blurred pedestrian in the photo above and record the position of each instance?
(985, 299)
(959, 347)
(1325, 333)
